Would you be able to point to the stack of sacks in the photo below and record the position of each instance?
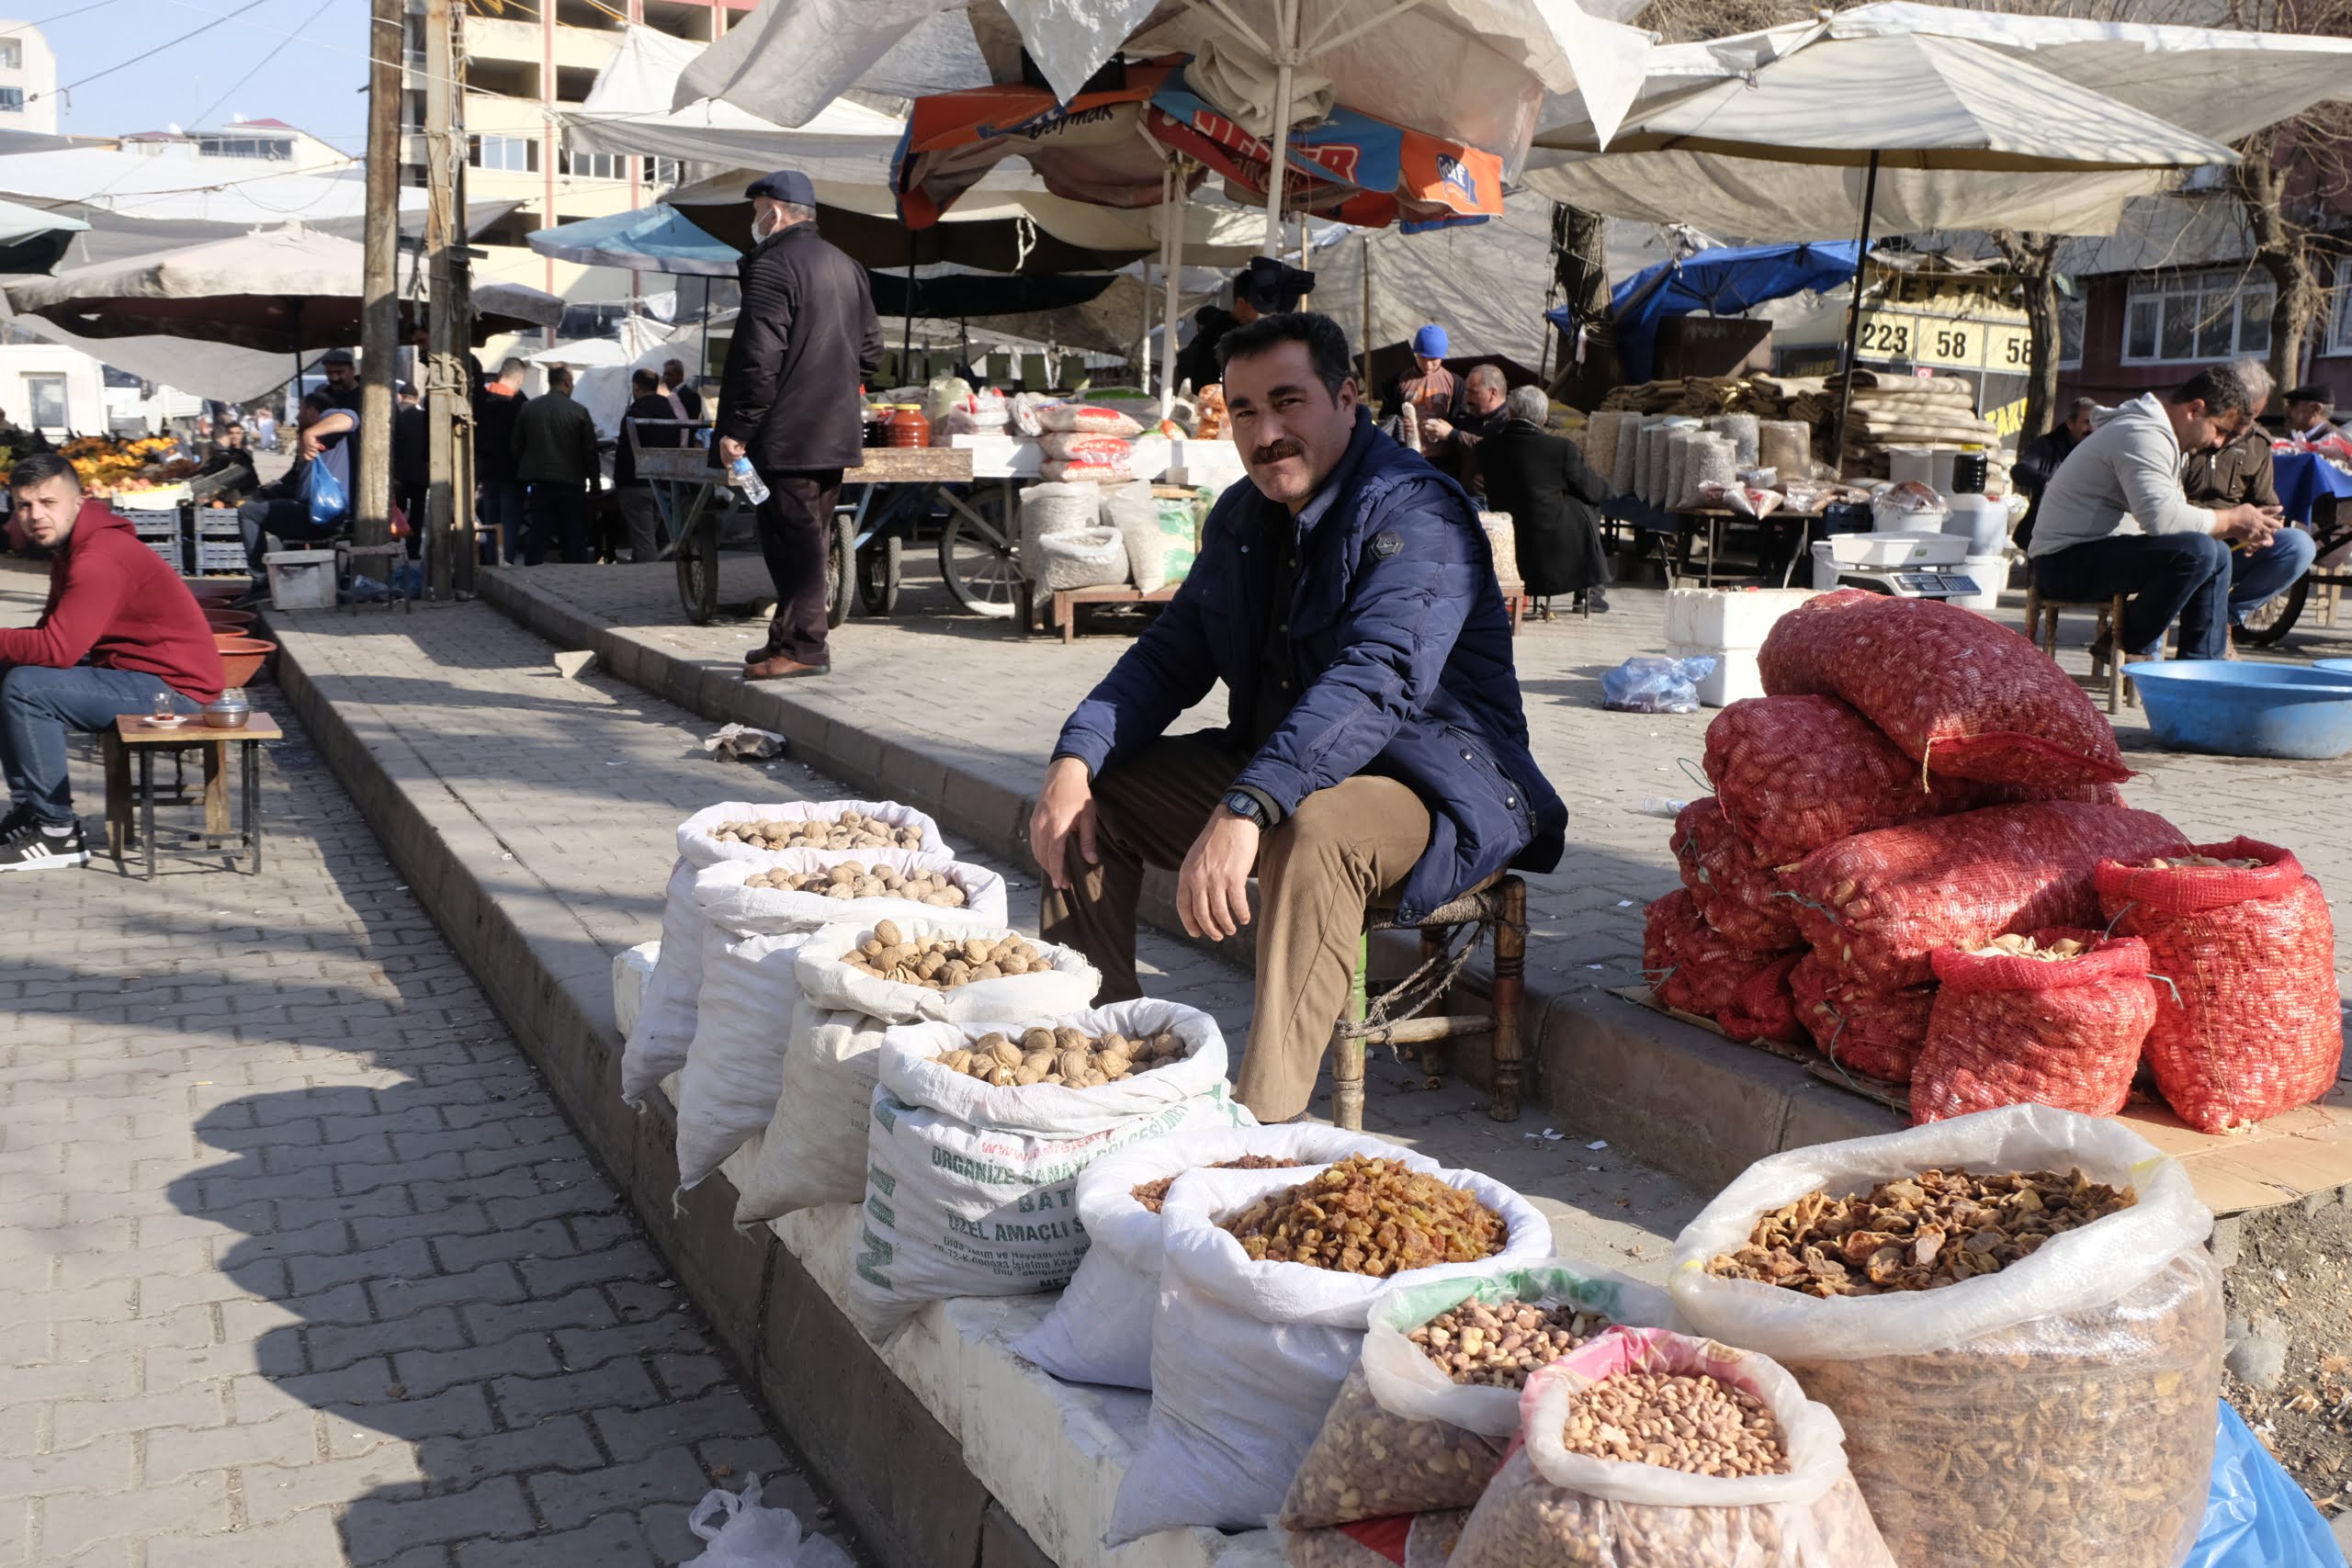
(1086, 441)
(1903, 411)
(1603, 434)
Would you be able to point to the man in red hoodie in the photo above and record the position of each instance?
(120, 629)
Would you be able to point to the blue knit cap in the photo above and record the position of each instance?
(1430, 342)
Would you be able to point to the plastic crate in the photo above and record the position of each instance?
(219, 555)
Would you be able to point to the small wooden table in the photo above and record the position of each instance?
(132, 733)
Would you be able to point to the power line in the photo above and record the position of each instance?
(148, 54)
(214, 106)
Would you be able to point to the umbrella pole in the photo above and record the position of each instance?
(1278, 140)
(1854, 318)
(907, 343)
(1172, 217)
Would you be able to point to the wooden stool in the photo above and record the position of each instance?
(1498, 904)
(132, 733)
(2041, 630)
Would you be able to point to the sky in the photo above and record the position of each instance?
(317, 81)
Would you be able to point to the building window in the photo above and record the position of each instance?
(2070, 333)
(12, 100)
(276, 149)
(45, 396)
(664, 171)
(2339, 335)
(12, 55)
(514, 154)
(2197, 316)
(596, 165)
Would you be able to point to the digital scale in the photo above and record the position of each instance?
(1900, 583)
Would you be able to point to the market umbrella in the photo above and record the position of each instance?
(34, 241)
(651, 239)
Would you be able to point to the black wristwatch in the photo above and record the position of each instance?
(1242, 803)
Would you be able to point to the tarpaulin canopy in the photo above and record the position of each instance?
(651, 239)
(1719, 282)
(32, 239)
(954, 295)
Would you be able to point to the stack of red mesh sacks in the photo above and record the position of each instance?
(1920, 778)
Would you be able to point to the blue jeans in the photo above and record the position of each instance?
(2185, 575)
(2257, 577)
(39, 705)
(289, 519)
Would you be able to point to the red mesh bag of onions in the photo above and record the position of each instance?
(2056, 1018)
(1736, 894)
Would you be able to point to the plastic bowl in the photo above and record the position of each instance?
(218, 590)
(241, 657)
(2240, 708)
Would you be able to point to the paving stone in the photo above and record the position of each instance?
(613, 1541)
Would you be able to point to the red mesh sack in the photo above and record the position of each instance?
(2014, 1030)
(2257, 1027)
(1736, 894)
(1764, 1007)
(1691, 968)
(1876, 905)
(1793, 773)
(1957, 693)
(1874, 1031)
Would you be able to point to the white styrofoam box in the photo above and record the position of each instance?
(1709, 618)
(1992, 575)
(1735, 677)
(1001, 456)
(300, 579)
(1892, 550)
(632, 966)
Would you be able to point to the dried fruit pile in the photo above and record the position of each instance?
(850, 831)
(1935, 1228)
(1152, 1194)
(1069, 1056)
(942, 963)
(1698, 1423)
(855, 879)
(2059, 951)
(1477, 1344)
(1363, 1215)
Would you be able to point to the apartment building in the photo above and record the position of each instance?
(27, 79)
(277, 147)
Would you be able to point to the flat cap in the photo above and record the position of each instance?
(785, 185)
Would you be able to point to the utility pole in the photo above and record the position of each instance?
(379, 318)
(448, 388)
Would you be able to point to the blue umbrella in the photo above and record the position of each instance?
(651, 239)
(1721, 282)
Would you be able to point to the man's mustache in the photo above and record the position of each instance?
(1274, 452)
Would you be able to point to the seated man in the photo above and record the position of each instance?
(1552, 495)
(2042, 456)
(2115, 519)
(1375, 748)
(2307, 411)
(120, 629)
(2241, 473)
(283, 507)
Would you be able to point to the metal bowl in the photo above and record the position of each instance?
(227, 718)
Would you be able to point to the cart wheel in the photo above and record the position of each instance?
(877, 576)
(698, 560)
(2266, 624)
(978, 565)
(841, 569)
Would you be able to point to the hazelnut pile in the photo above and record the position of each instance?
(943, 963)
(850, 831)
(1674, 1421)
(1363, 1215)
(2014, 946)
(855, 879)
(1498, 1347)
(1152, 1194)
(1068, 1056)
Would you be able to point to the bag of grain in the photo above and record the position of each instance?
(1051, 508)
(1083, 557)
(1157, 531)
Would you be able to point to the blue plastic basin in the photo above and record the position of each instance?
(2334, 666)
(2240, 708)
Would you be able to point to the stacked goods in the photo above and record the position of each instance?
(1691, 966)
(1708, 458)
(973, 1161)
(1793, 773)
(2056, 1018)
(1047, 510)
(1267, 1283)
(1767, 396)
(2009, 1312)
(1160, 529)
(1645, 1448)
(1765, 1005)
(1603, 434)
(1874, 1029)
(1886, 410)
(1742, 430)
(1735, 891)
(1785, 447)
(1083, 442)
(2251, 1025)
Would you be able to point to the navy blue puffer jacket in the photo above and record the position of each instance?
(1402, 655)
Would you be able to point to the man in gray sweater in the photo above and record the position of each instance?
(2114, 519)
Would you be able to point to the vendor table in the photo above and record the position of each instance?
(1643, 518)
(2303, 478)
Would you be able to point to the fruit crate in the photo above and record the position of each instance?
(219, 555)
(160, 532)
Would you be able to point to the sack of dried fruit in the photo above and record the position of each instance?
(1428, 1411)
(757, 911)
(1692, 966)
(737, 829)
(1737, 896)
(2250, 1024)
(1876, 906)
(1100, 1331)
(2012, 1313)
(1267, 1281)
(1647, 1449)
(1959, 694)
(1793, 773)
(2056, 1018)
(1874, 1031)
(1415, 1540)
(855, 982)
(971, 1180)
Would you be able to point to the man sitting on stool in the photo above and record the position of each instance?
(1375, 748)
(2116, 520)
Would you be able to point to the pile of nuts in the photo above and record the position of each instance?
(1066, 1056)
(1935, 1228)
(943, 963)
(2015, 946)
(850, 831)
(1498, 1347)
(1152, 1194)
(1363, 1215)
(1368, 1463)
(1675, 1421)
(1525, 1521)
(855, 879)
(2199, 862)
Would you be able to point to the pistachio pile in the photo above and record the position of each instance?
(943, 963)
(855, 879)
(1363, 1215)
(1935, 1228)
(1152, 1194)
(1498, 1347)
(1675, 1421)
(2199, 862)
(2014, 946)
(850, 831)
(1068, 1056)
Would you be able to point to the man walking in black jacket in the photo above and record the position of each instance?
(806, 339)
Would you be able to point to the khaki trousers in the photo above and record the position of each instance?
(1344, 847)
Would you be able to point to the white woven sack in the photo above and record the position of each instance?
(815, 1149)
(1055, 507)
(1246, 1357)
(1100, 1329)
(971, 1187)
(723, 895)
(1083, 557)
(734, 1073)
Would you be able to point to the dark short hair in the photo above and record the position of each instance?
(643, 381)
(678, 367)
(2081, 405)
(2224, 389)
(39, 469)
(2314, 393)
(1327, 343)
(559, 377)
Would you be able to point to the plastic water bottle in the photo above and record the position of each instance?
(745, 478)
(1663, 806)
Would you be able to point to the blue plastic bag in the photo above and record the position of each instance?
(323, 493)
(2256, 1516)
(1649, 683)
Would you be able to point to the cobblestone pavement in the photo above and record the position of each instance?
(301, 1266)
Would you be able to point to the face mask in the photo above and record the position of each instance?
(760, 228)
